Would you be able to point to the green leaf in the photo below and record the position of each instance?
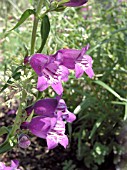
(96, 126)
(125, 115)
(45, 29)
(17, 75)
(8, 144)
(26, 51)
(3, 130)
(110, 90)
(6, 85)
(23, 17)
(85, 104)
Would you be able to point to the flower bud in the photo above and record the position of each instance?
(24, 141)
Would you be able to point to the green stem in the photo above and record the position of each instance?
(36, 19)
(18, 119)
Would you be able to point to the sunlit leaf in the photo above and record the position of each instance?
(45, 29)
(23, 17)
(110, 90)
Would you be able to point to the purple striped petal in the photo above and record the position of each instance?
(42, 83)
(57, 88)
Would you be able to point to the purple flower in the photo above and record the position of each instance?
(50, 108)
(76, 60)
(75, 3)
(57, 135)
(51, 129)
(14, 165)
(50, 73)
(49, 124)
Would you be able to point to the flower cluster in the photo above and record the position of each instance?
(53, 69)
(49, 124)
(14, 165)
(51, 115)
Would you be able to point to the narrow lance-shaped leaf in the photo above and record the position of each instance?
(8, 144)
(3, 130)
(45, 29)
(97, 125)
(125, 115)
(23, 17)
(110, 90)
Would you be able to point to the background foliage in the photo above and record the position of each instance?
(98, 135)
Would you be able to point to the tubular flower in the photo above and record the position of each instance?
(57, 135)
(49, 124)
(49, 73)
(50, 107)
(76, 60)
(14, 165)
(51, 129)
(75, 3)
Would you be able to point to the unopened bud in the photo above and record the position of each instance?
(24, 141)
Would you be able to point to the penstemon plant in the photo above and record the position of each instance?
(45, 118)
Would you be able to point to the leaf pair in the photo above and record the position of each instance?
(45, 26)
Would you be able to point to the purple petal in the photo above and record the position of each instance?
(78, 71)
(45, 107)
(26, 60)
(89, 72)
(51, 141)
(42, 83)
(58, 57)
(64, 141)
(71, 117)
(65, 73)
(61, 105)
(29, 110)
(14, 163)
(89, 59)
(67, 57)
(75, 3)
(40, 126)
(24, 125)
(38, 62)
(2, 166)
(57, 88)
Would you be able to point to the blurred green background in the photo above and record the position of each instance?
(98, 136)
